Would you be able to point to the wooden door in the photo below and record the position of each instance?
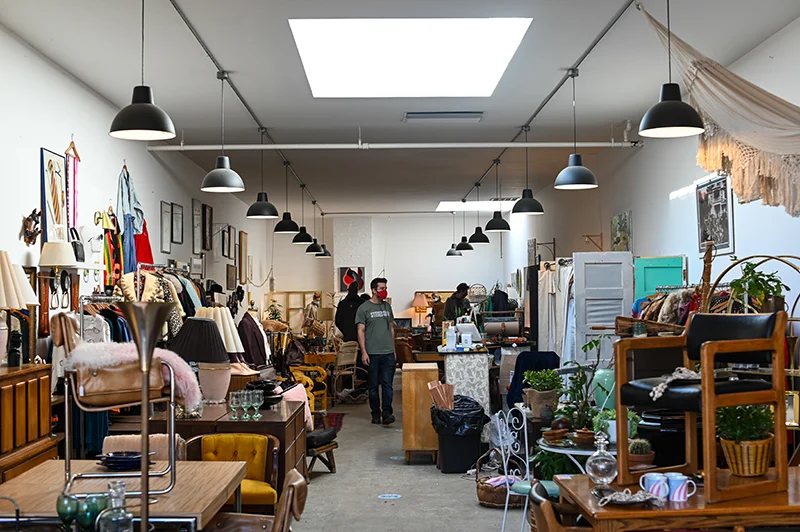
(651, 272)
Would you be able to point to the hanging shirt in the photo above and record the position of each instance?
(127, 202)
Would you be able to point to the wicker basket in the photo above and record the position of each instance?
(494, 496)
(748, 458)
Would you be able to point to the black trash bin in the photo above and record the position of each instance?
(459, 433)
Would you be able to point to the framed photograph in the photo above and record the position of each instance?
(715, 215)
(224, 238)
(54, 197)
(622, 232)
(177, 223)
(792, 409)
(232, 242)
(243, 277)
(236, 259)
(230, 277)
(166, 227)
(197, 227)
(195, 266)
(208, 225)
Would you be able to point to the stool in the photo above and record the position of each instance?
(320, 445)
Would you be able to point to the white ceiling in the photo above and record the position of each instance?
(251, 39)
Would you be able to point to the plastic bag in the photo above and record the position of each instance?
(499, 435)
(466, 417)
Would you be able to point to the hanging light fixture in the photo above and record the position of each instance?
(142, 119)
(302, 237)
(464, 245)
(324, 254)
(314, 248)
(526, 204)
(262, 209)
(478, 237)
(287, 225)
(575, 176)
(671, 117)
(222, 178)
(453, 252)
(497, 224)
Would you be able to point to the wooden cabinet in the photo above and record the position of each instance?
(418, 433)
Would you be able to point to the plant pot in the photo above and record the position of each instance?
(542, 404)
(641, 459)
(612, 430)
(773, 304)
(603, 384)
(748, 458)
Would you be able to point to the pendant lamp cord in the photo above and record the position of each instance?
(222, 111)
(142, 42)
(497, 178)
(574, 119)
(314, 213)
(527, 128)
(286, 178)
(464, 219)
(478, 210)
(262, 163)
(303, 204)
(669, 44)
(454, 227)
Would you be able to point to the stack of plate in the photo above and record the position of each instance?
(123, 460)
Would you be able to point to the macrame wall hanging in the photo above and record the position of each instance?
(751, 134)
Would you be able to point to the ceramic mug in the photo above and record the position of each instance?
(655, 483)
(679, 487)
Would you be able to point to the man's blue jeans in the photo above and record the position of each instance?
(381, 373)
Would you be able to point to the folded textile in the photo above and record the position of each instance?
(114, 354)
(159, 444)
(298, 394)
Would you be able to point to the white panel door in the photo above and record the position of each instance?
(603, 291)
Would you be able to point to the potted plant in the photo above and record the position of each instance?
(746, 438)
(640, 452)
(765, 288)
(274, 311)
(542, 392)
(580, 389)
(606, 420)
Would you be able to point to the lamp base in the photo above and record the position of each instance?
(215, 379)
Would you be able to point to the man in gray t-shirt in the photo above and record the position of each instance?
(375, 323)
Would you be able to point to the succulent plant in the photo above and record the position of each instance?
(639, 446)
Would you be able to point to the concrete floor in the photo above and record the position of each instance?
(430, 500)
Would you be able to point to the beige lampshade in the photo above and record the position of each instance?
(57, 254)
(420, 302)
(15, 290)
(325, 314)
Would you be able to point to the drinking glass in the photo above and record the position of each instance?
(235, 402)
(258, 400)
(247, 402)
(67, 508)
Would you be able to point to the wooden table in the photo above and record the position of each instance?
(428, 356)
(319, 359)
(200, 491)
(764, 510)
(418, 433)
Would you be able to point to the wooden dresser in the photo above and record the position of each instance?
(25, 429)
(418, 433)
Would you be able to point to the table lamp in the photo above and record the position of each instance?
(326, 315)
(199, 341)
(420, 305)
(57, 255)
(16, 293)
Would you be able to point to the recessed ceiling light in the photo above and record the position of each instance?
(481, 206)
(406, 58)
(442, 117)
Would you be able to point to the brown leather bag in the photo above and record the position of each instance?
(116, 385)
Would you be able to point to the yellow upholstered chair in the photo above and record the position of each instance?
(260, 451)
(314, 378)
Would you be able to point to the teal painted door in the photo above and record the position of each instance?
(656, 271)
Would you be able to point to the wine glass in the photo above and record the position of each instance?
(87, 513)
(67, 508)
(235, 402)
(247, 402)
(258, 400)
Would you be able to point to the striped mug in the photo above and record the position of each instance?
(655, 483)
(679, 485)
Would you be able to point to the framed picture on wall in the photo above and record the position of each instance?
(249, 268)
(243, 257)
(166, 227)
(232, 242)
(195, 266)
(715, 215)
(208, 224)
(177, 223)
(224, 241)
(230, 277)
(349, 275)
(197, 227)
(622, 232)
(54, 197)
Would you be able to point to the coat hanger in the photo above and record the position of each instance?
(72, 148)
(125, 164)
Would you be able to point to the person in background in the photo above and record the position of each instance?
(457, 304)
(375, 322)
(365, 297)
(310, 313)
(346, 314)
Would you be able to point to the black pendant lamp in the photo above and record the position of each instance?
(314, 248)
(526, 204)
(453, 252)
(262, 209)
(575, 176)
(464, 245)
(222, 178)
(287, 225)
(324, 254)
(497, 224)
(302, 237)
(478, 237)
(142, 119)
(671, 117)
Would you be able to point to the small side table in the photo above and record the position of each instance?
(572, 452)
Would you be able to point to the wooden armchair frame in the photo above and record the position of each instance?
(710, 402)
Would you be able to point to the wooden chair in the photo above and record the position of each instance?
(711, 339)
(547, 516)
(313, 379)
(346, 366)
(290, 505)
(325, 455)
(259, 451)
(405, 354)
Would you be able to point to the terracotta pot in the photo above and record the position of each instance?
(748, 458)
(542, 404)
(641, 459)
(773, 304)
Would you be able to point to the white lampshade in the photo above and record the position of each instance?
(57, 254)
(15, 290)
(420, 301)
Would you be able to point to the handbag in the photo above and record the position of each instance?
(77, 245)
(115, 385)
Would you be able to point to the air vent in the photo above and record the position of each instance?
(443, 117)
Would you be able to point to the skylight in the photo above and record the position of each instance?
(504, 205)
(406, 58)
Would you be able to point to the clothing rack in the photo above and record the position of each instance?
(161, 267)
(672, 288)
(94, 299)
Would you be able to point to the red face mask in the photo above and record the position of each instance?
(383, 294)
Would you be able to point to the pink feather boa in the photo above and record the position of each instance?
(98, 355)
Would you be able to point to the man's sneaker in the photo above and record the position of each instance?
(376, 419)
(388, 419)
